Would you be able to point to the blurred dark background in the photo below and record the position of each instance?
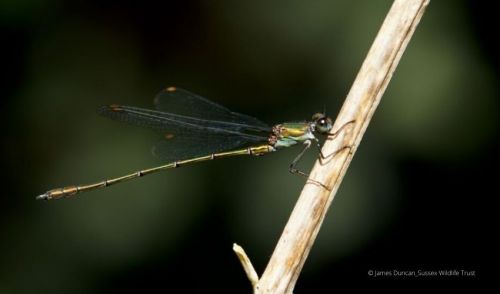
(414, 198)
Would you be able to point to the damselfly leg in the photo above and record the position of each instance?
(307, 145)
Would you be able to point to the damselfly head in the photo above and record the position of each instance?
(323, 124)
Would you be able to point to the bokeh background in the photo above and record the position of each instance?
(415, 197)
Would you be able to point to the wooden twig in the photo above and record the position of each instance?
(247, 265)
(305, 221)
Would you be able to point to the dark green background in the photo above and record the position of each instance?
(415, 197)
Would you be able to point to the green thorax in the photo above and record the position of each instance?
(289, 134)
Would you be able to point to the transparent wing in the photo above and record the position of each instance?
(182, 102)
(173, 148)
(179, 124)
(187, 137)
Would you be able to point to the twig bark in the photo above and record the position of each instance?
(247, 265)
(305, 221)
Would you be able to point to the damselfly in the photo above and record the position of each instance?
(195, 129)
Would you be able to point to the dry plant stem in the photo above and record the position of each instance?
(247, 265)
(302, 228)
